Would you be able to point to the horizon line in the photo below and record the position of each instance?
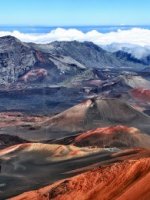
(82, 25)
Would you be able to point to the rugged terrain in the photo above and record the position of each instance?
(127, 179)
(72, 71)
(74, 122)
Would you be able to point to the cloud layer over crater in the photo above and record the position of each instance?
(136, 36)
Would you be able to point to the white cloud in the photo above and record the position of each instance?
(136, 50)
(136, 36)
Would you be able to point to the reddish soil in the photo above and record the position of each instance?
(34, 74)
(141, 94)
(123, 180)
(113, 136)
(8, 119)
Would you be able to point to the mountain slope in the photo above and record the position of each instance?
(95, 113)
(90, 114)
(141, 94)
(121, 180)
(58, 60)
(28, 166)
(88, 54)
(16, 58)
(114, 136)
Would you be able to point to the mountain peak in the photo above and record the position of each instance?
(9, 38)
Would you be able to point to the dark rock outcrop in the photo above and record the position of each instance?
(62, 60)
(16, 58)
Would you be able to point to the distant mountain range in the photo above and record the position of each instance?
(57, 62)
(49, 78)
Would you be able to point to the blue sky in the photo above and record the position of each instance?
(74, 12)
